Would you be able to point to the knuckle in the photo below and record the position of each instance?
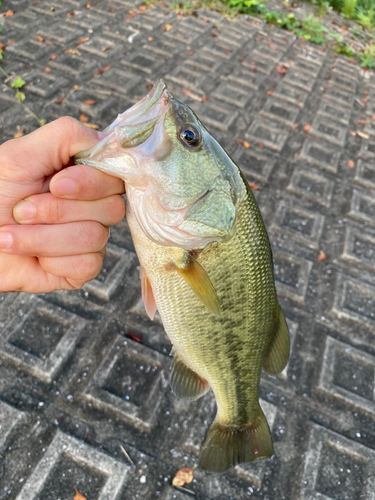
(96, 235)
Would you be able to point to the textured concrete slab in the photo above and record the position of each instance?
(75, 386)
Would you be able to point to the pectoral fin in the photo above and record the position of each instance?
(197, 278)
(147, 294)
(278, 356)
(185, 383)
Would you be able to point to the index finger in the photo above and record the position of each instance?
(81, 182)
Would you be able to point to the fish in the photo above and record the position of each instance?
(205, 264)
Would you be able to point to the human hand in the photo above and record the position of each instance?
(60, 242)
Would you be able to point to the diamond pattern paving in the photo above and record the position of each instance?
(75, 385)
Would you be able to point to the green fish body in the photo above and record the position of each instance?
(206, 265)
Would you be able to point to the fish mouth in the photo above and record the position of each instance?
(131, 128)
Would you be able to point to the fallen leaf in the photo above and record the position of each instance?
(54, 56)
(350, 164)
(307, 128)
(142, 7)
(321, 256)
(83, 118)
(52, 9)
(78, 495)
(351, 132)
(254, 186)
(189, 53)
(60, 99)
(8, 13)
(373, 117)
(82, 40)
(167, 27)
(261, 146)
(352, 61)
(89, 102)
(227, 51)
(39, 39)
(362, 134)
(48, 42)
(364, 100)
(137, 337)
(272, 47)
(70, 14)
(19, 133)
(47, 69)
(11, 42)
(366, 92)
(183, 476)
(295, 126)
(205, 99)
(270, 92)
(92, 125)
(246, 144)
(363, 122)
(103, 70)
(150, 38)
(75, 87)
(281, 70)
(104, 49)
(192, 95)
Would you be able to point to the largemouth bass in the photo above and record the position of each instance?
(206, 265)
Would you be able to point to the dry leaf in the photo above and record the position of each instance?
(92, 125)
(78, 495)
(143, 7)
(54, 56)
(8, 13)
(321, 256)
(246, 144)
(60, 99)
(89, 102)
(167, 27)
(307, 128)
(364, 100)
(19, 133)
(39, 39)
(47, 69)
(281, 70)
(205, 99)
(363, 122)
(362, 134)
(373, 117)
(254, 186)
(261, 146)
(351, 132)
(104, 49)
(103, 70)
(270, 92)
(183, 476)
(70, 14)
(82, 40)
(192, 95)
(48, 42)
(83, 118)
(150, 38)
(75, 87)
(350, 164)
(189, 53)
(295, 126)
(137, 337)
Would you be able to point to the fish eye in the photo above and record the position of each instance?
(190, 135)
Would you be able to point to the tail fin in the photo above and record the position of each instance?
(228, 445)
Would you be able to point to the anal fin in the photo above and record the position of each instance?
(147, 294)
(185, 383)
(278, 356)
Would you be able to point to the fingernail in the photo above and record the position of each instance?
(6, 240)
(64, 186)
(24, 211)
